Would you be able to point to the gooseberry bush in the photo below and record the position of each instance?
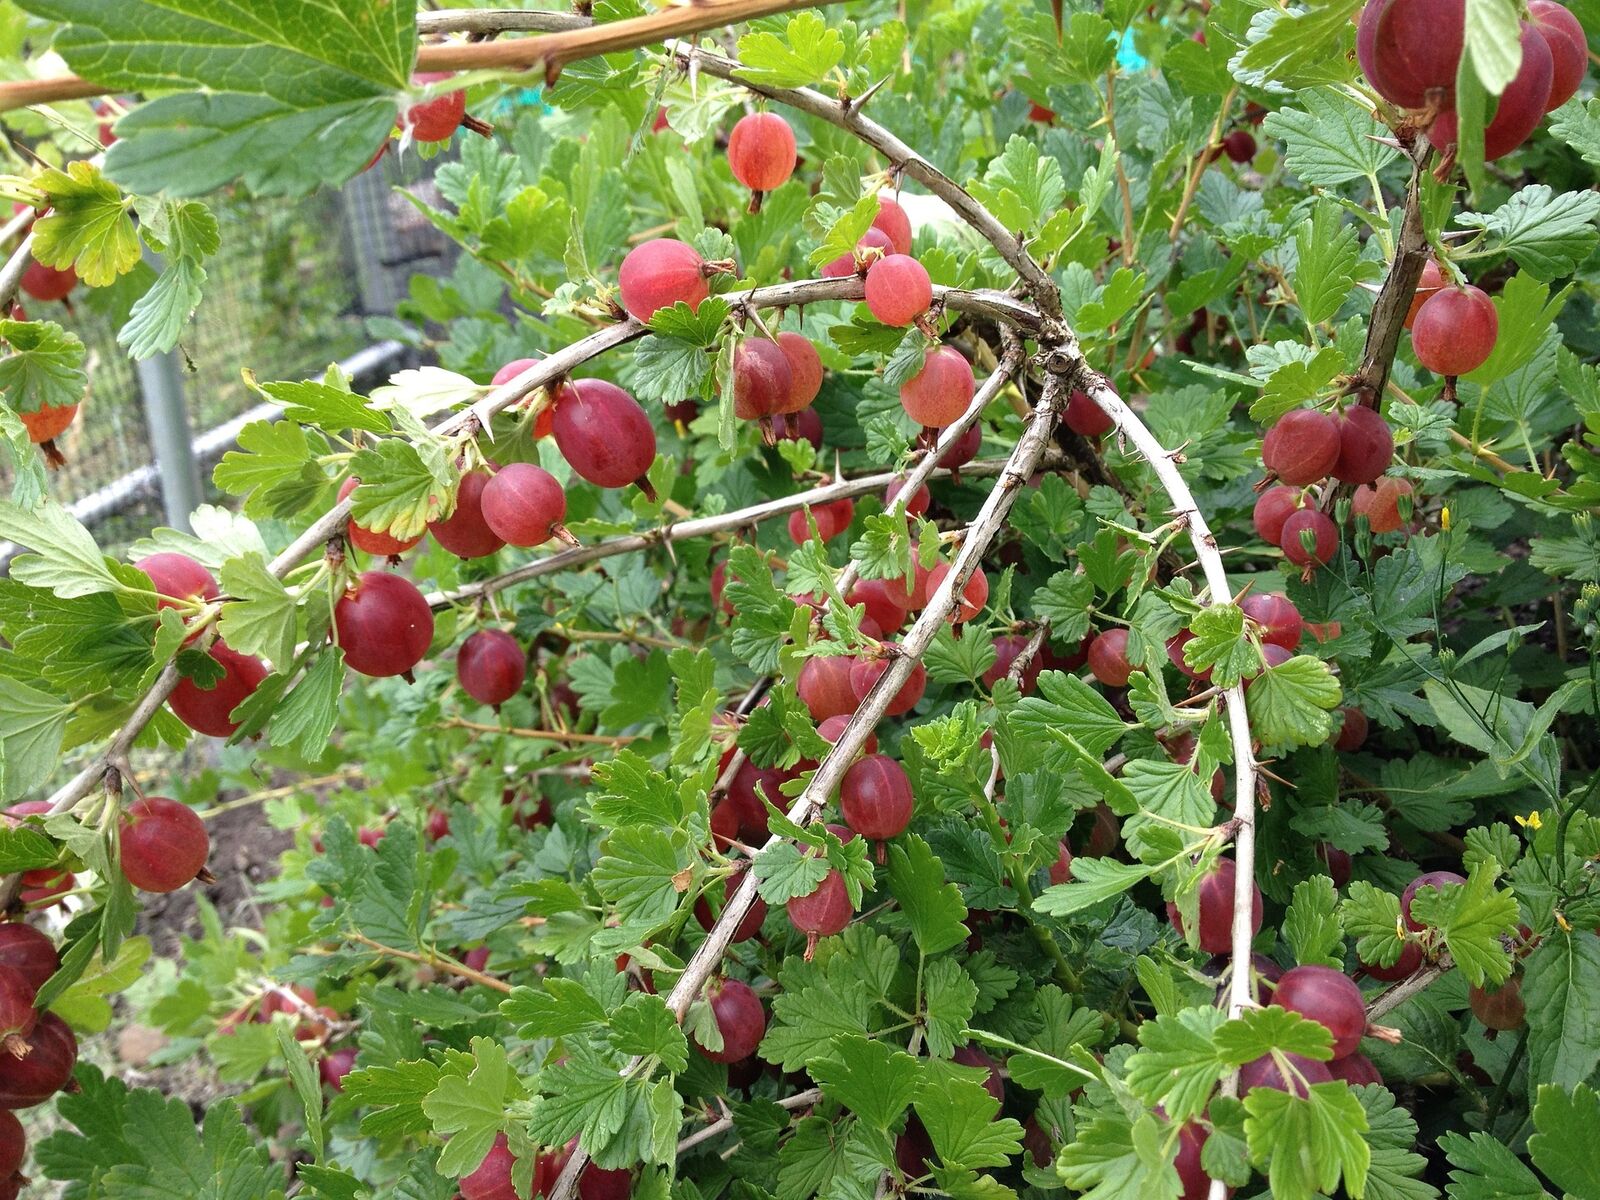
(978, 599)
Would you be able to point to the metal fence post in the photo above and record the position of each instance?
(161, 386)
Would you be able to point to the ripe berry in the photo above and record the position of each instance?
(546, 419)
(761, 151)
(1402, 968)
(13, 1151)
(1432, 879)
(1499, 1008)
(916, 504)
(832, 519)
(1569, 49)
(1277, 617)
(603, 434)
(1240, 146)
(832, 729)
(938, 394)
(707, 916)
(435, 120)
(524, 505)
(596, 1183)
(29, 953)
(384, 625)
(164, 844)
(1337, 863)
(373, 541)
(1061, 869)
(971, 1056)
(1455, 331)
(44, 425)
(1302, 446)
(824, 686)
(1006, 648)
(660, 273)
(898, 289)
(1085, 417)
(46, 1068)
(1191, 1174)
(1380, 503)
(1323, 535)
(1352, 730)
(335, 1065)
(208, 710)
(762, 380)
(491, 666)
(1175, 645)
(893, 223)
(963, 450)
(1355, 1069)
(1366, 446)
(739, 1017)
(1329, 998)
(1416, 47)
(882, 604)
(875, 798)
(178, 578)
(873, 240)
(1265, 1072)
(807, 426)
(1522, 104)
(1108, 658)
(492, 1179)
(822, 913)
(747, 789)
(805, 370)
(17, 1015)
(973, 597)
(47, 283)
(1272, 510)
(1215, 934)
(464, 532)
(1430, 281)
(866, 673)
(911, 594)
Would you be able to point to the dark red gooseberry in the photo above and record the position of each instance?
(1061, 869)
(542, 423)
(881, 602)
(1191, 1174)
(492, 1179)
(832, 519)
(1352, 730)
(524, 505)
(1240, 146)
(939, 394)
(384, 625)
(1366, 446)
(1522, 105)
(762, 380)
(1302, 446)
(973, 596)
(822, 913)
(603, 433)
(491, 666)
(47, 283)
(17, 1015)
(1215, 935)
(372, 541)
(875, 798)
(1266, 1072)
(1569, 49)
(805, 370)
(762, 151)
(832, 730)
(1429, 282)
(722, 889)
(739, 1017)
(660, 273)
(971, 1056)
(1416, 48)
(207, 710)
(1108, 658)
(898, 289)
(29, 953)
(464, 532)
(1006, 648)
(13, 1149)
(52, 1052)
(164, 844)
(1500, 1008)
(1272, 510)
(1455, 330)
(916, 504)
(1355, 1069)
(1309, 526)
(1432, 879)
(1276, 617)
(1175, 656)
(825, 686)
(1085, 417)
(1336, 862)
(597, 1183)
(335, 1065)
(1402, 968)
(177, 578)
(1328, 997)
(866, 672)
(807, 426)
(893, 223)
(963, 450)
(435, 120)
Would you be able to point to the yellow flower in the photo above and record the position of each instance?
(1531, 821)
(1444, 518)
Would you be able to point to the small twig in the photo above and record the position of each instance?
(1387, 1001)
(436, 961)
(717, 1128)
(543, 735)
(11, 274)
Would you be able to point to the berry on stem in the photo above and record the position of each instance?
(1272, 509)
(824, 686)
(1522, 104)
(45, 1068)
(1215, 932)
(938, 394)
(28, 952)
(164, 844)
(464, 532)
(740, 1019)
(546, 418)
(1085, 417)
(875, 798)
(46, 283)
(45, 425)
(1108, 658)
(1415, 48)
(823, 912)
(1430, 281)
(384, 625)
(1309, 526)
(660, 273)
(893, 223)
(1455, 331)
(208, 710)
(373, 541)
(707, 916)
(871, 246)
(1328, 997)
(762, 153)
(1301, 447)
(491, 666)
(604, 435)
(524, 505)
(1380, 503)
(898, 289)
(435, 120)
(805, 370)
(762, 383)
(1366, 445)
(973, 596)
(867, 671)
(1277, 617)
(1569, 49)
